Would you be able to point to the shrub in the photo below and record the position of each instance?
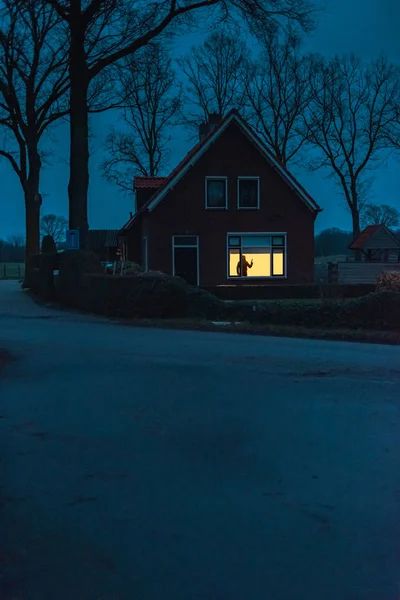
(48, 245)
(388, 281)
(73, 265)
(39, 275)
(147, 295)
(132, 269)
(378, 310)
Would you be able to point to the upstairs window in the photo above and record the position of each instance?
(216, 192)
(256, 255)
(248, 192)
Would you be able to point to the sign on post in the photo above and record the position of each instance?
(72, 239)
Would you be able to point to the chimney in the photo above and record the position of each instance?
(205, 128)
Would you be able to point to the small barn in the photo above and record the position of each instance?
(376, 251)
(104, 243)
(376, 243)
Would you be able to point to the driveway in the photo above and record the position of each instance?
(146, 464)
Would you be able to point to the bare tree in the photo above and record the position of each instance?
(393, 131)
(278, 94)
(380, 214)
(351, 111)
(16, 240)
(103, 32)
(214, 77)
(150, 99)
(55, 226)
(33, 82)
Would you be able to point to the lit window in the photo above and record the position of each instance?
(248, 192)
(254, 255)
(216, 196)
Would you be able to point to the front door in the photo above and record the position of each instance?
(185, 258)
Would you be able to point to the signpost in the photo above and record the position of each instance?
(72, 239)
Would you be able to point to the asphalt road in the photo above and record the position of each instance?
(146, 464)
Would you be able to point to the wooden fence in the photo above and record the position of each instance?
(10, 270)
(358, 272)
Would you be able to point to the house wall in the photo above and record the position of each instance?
(182, 212)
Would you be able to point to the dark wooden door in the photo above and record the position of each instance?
(185, 261)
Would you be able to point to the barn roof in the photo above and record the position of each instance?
(362, 241)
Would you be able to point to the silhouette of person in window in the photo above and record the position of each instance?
(243, 265)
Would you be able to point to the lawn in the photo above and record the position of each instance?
(10, 270)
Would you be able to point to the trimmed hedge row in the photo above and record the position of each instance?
(378, 310)
(146, 295)
(82, 284)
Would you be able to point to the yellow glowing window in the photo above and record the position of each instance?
(256, 255)
(277, 262)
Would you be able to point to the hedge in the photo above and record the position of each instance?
(81, 283)
(378, 310)
(147, 295)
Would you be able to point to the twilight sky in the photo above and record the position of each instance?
(365, 27)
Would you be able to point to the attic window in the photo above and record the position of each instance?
(216, 192)
(248, 192)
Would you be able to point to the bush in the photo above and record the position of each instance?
(73, 265)
(147, 295)
(48, 245)
(39, 275)
(378, 310)
(388, 281)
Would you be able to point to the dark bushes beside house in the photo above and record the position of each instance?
(82, 284)
(147, 295)
(73, 266)
(378, 310)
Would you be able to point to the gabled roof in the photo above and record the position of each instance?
(361, 241)
(201, 147)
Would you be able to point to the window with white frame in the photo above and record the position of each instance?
(216, 192)
(256, 255)
(248, 191)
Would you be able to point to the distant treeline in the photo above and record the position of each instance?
(334, 241)
(12, 250)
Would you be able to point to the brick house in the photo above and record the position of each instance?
(228, 214)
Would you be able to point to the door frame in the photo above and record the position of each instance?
(196, 245)
(145, 253)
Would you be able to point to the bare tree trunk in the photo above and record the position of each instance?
(32, 214)
(355, 217)
(33, 201)
(79, 137)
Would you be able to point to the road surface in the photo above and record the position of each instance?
(146, 464)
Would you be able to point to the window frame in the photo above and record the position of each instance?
(196, 245)
(247, 177)
(213, 177)
(145, 250)
(256, 233)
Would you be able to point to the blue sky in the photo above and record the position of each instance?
(365, 27)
